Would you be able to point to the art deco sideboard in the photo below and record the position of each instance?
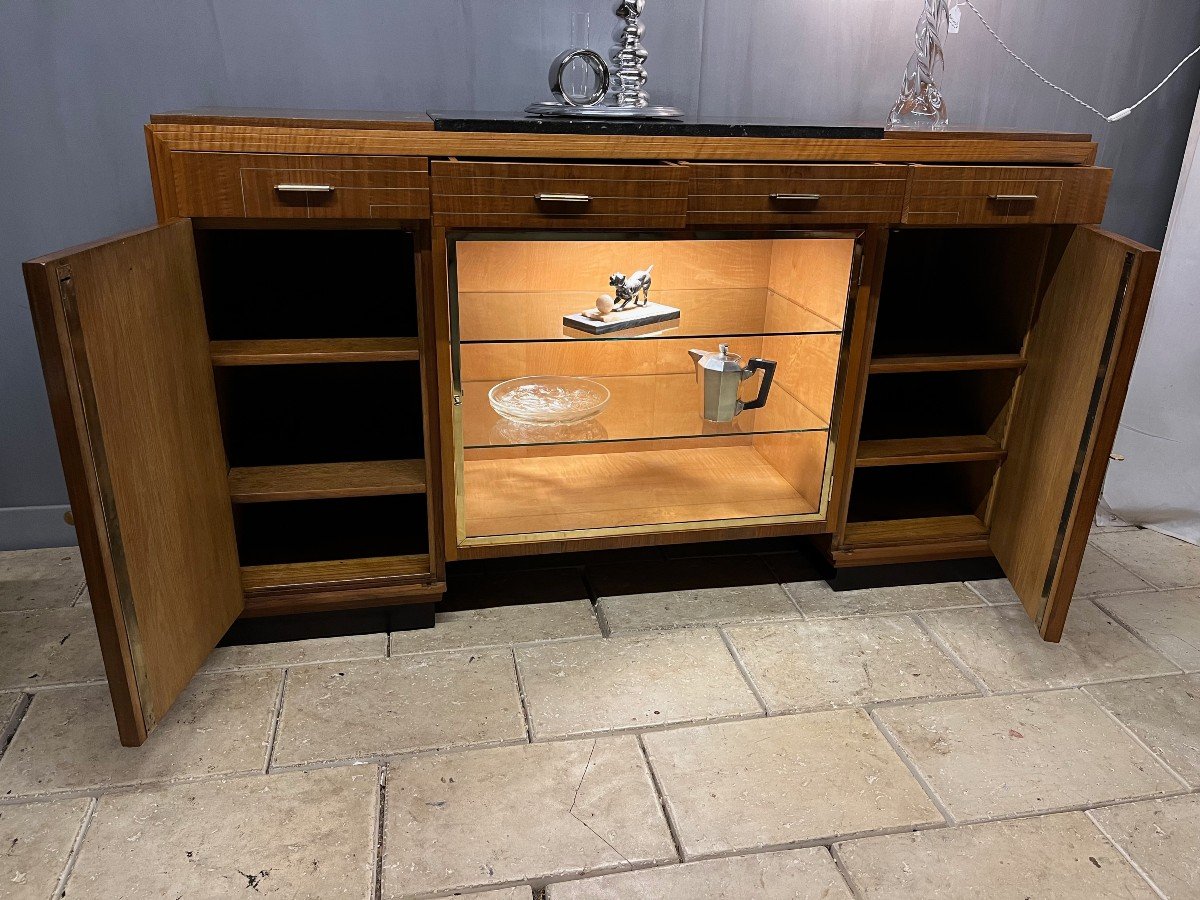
(276, 399)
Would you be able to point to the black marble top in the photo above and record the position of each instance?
(685, 126)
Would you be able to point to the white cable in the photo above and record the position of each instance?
(1115, 117)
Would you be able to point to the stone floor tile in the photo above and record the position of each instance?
(663, 610)
(1062, 856)
(67, 740)
(40, 579)
(608, 684)
(9, 701)
(1100, 575)
(1029, 753)
(768, 783)
(1112, 529)
(303, 835)
(995, 591)
(385, 706)
(677, 609)
(800, 666)
(522, 892)
(510, 814)
(1169, 621)
(35, 842)
(501, 626)
(1003, 647)
(296, 653)
(49, 646)
(817, 600)
(682, 592)
(1159, 559)
(1161, 837)
(1164, 713)
(808, 874)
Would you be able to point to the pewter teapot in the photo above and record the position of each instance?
(719, 377)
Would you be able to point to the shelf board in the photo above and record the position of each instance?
(263, 484)
(313, 350)
(969, 363)
(568, 494)
(338, 574)
(907, 451)
(641, 407)
(937, 529)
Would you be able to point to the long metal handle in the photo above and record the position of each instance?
(796, 198)
(305, 188)
(1029, 198)
(562, 198)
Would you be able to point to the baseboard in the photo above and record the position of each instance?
(28, 527)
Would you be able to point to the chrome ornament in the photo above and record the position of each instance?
(626, 85)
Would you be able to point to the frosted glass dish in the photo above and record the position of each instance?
(548, 399)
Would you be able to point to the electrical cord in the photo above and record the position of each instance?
(1115, 117)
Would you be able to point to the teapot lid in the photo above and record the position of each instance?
(722, 360)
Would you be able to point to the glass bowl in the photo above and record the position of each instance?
(548, 399)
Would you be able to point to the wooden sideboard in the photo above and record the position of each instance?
(269, 402)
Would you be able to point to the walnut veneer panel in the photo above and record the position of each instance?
(1080, 352)
(772, 194)
(247, 184)
(121, 330)
(500, 195)
(975, 195)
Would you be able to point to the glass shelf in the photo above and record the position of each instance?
(642, 407)
(537, 316)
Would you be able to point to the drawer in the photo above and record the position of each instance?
(771, 194)
(265, 185)
(991, 195)
(567, 195)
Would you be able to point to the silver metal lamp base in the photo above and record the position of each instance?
(553, 108)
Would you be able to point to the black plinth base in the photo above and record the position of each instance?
(269, 629)
(860, 577)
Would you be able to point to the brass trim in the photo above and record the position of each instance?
(92, 444)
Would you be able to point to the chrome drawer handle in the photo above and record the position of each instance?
(795, 198)
(305, 188)
(562, 198)
(1027, 198)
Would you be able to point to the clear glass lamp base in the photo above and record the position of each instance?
(924, 111)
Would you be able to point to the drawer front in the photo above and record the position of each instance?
(551, 195)
(989, 195)
(261, 185)
(768, 194)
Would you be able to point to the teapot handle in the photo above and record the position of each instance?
(768, 370)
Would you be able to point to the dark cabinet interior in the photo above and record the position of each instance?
(336, 282)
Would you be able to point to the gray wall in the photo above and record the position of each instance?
(79, 79)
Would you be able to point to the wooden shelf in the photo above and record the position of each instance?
(906, 451)
(969, 363)
(313, 350)
(262, 484)
(339, 574)
(568, 494)
(939, 529)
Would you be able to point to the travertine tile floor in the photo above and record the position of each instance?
(673, 724)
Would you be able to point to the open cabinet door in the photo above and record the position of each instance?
(1080, 355)
(120, 325)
